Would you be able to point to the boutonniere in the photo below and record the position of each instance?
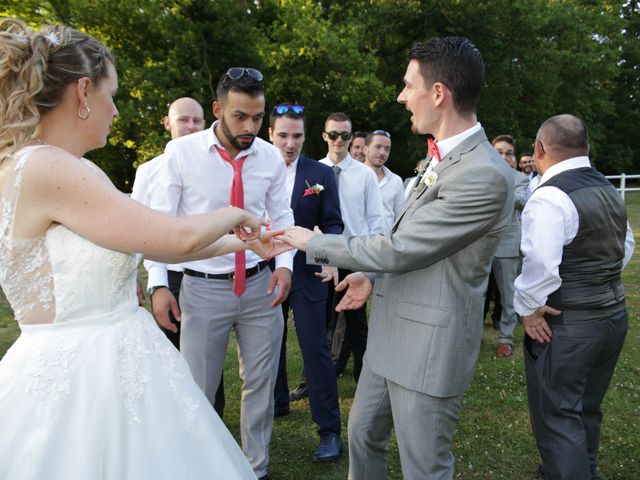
(313, 190)
(429, 177)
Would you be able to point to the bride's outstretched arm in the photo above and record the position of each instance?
(59, 188)
(266, 246)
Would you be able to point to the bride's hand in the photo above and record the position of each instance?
(249, 227)
(267, 247)
(298, 237)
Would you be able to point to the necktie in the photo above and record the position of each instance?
(336, 173)
(433, 150)
(237, 200)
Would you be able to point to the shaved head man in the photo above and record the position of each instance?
(185, 117)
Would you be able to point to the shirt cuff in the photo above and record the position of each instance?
(157, 275)
(286, 260)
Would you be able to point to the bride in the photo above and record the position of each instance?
(92, 389)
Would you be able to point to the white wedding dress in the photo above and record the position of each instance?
(92, 389)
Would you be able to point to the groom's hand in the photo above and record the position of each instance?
(358, 293)
(163, 301)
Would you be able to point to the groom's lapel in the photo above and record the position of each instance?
(450, 159)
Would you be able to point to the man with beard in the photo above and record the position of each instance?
(377, 148)
(227, 164)
(356, 149)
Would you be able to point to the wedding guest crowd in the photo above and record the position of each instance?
(345, 232)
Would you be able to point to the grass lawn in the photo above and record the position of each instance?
(493, 440)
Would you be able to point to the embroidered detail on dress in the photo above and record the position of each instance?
(133, 381)
(50, 370)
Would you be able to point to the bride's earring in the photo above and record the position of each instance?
(83, 112)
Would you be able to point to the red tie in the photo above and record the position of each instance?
(433, 150)
(237, 200)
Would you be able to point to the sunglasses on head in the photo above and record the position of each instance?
(284, 108)
(236, 73)
(384, 133)
(333, 135)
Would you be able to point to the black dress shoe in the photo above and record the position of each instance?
(281, 411)
(264, 477)
(329, 449)
(299, 393)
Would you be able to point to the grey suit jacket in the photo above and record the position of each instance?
(426, 317)
(509, 245)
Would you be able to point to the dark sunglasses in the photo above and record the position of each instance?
(236, 73)
(384, 133)
(333, 135)
(284, 108)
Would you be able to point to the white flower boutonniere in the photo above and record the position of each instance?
(430, 178)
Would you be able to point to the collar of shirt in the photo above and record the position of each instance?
(445, 146)
(344, 164)
(563, 166)
(212, 139)
(386, 178)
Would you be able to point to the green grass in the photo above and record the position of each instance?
(493, 439)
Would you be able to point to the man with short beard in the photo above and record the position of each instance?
(227, 164)
(356, 149)
(377, 148)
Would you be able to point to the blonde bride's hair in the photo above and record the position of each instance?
(36, 66)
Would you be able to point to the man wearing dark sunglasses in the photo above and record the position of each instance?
(206, 171)
(362, 214)
(314, 201)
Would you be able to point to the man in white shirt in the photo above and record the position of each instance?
(575, 242)
(185, 116)
(377, 148)
(362, 214)
(206, 171)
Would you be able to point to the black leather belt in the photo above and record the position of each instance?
(226, 276)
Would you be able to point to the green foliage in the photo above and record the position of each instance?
(543, 57)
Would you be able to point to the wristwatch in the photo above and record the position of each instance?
(151, 290)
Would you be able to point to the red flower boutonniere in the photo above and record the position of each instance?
(315, 190)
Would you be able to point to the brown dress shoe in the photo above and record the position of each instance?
(504, 350)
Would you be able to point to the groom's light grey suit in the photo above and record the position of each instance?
(425, 324)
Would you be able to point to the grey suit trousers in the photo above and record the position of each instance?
(381, 404)
(566, 382)
(505, 271)
(210, 310)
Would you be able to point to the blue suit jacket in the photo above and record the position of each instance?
(322, 210)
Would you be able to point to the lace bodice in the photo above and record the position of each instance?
(60, 276)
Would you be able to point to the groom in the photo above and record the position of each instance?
(425, 325)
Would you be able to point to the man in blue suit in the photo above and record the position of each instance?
(315, 202)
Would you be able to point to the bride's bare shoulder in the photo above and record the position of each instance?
(49, 165)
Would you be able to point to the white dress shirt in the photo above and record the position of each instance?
(292, 168)
(360, 202)
(448, 144)
(392, 195)
(549, 222)
(145, 175)
(142, 185)
(193, 178)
